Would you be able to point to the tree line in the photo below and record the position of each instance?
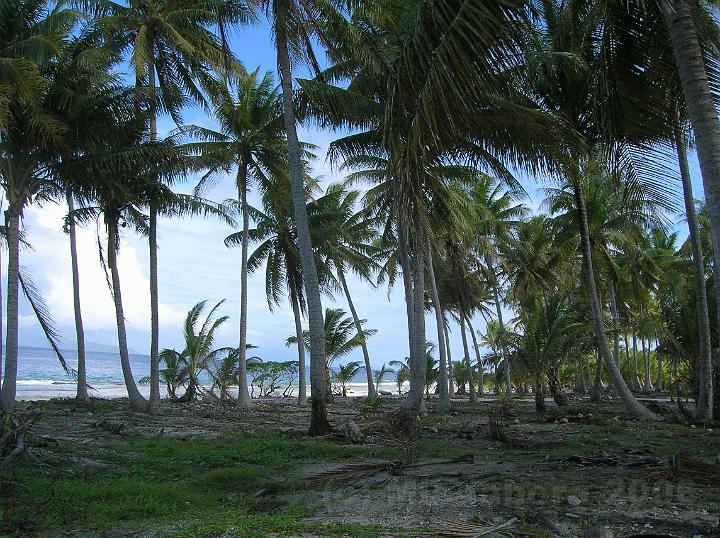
(439, 106)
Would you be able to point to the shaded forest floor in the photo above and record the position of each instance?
(204, 470)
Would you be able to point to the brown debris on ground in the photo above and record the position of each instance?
(476, 467)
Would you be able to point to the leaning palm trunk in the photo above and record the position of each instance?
(706, 126)
(13, 278)
(481, 373)
(244, 401)
(319, 422)
(704, 405)
(634, 407)
(471, 380)
(302, 381)
(82, 393)
(358, 326)
(443, 394)
(137, 402)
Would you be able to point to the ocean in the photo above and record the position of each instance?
(41, 377)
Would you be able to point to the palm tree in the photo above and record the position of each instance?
(199, 353)
(339, 337)
(568, 75)
(345, 374)
(686, 21)
(278, 251)
(386, 370)
(347, 244)
(169, 41)
(252, 140)
(291, 29)
(30, 39)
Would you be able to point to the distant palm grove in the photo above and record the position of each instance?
(445, 112)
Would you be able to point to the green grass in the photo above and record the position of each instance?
(160, 480)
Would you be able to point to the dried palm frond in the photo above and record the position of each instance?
(473, 530)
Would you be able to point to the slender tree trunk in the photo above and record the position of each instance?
(704, 406)
(319, 421)
(706, 126)
(1, 332)
(503, 349)
(471, 379)
(82, 393)
(597, 381)
(418, 363)
(478, 358)
(407, 282)
(13, 277)
(358, 327)
(633, 407)
(451, 380)
(137, 402)
(154, 403)
(443, 393)
(615, 320)
(244, 400)
(647, 385)
(635, 379)
(302, 380)
(555, 389)
(582, 389)
(539, 393)
(659, 380)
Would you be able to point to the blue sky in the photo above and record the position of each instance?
(195, 265)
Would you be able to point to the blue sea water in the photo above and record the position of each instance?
(38, 364)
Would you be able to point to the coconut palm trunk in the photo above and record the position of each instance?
(358, 326)
(635, 408)
(478, 358)
(244, 401)
(1, 333)
(468, 364)
(319, 422)
(704, 405)
(615, 320)
(443, 393)
(302, 380)
(9, 384)
(635, 379)
(597, 380)
(407, 281)
(451, 380)
(154, 403)
(418, 362)
(137, 401)
(82, 393)
(503, 348)
(703, 116)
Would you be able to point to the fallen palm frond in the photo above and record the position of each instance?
(615, 460)
(363, 470)
(473, 530)
(14, 432)
(678, 466)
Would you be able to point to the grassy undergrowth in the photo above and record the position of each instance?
(212, 485)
